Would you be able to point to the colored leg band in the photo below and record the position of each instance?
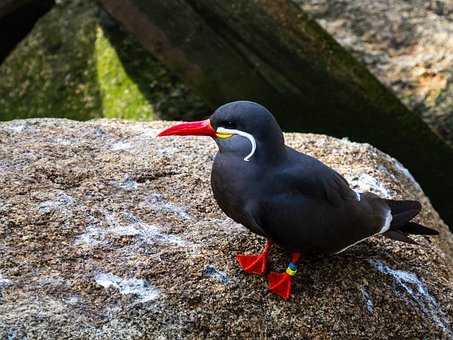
(292, 269)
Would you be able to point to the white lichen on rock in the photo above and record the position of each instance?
(60, 202)
(95, 234)
(367, 299)
(365, 182)
(142, 289)
(413, 290)
(158, 203)
(4, 282)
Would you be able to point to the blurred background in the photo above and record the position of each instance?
(70, 58)
(73, 60)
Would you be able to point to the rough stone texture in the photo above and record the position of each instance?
(108, 232)
(408, 45)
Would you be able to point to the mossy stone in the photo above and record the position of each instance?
(75, 66)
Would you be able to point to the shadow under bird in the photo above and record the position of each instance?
(290, 198)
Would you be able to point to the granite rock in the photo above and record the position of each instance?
(408, 45)
(109, 232)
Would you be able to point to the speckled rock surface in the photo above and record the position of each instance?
(108, 232)
(408, 45)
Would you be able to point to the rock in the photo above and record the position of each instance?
(408, 45)
(76, 63)
(108, 232)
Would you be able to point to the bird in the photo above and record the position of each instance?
(291, 199)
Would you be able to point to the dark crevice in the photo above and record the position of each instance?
(151, 176)
(15, 26)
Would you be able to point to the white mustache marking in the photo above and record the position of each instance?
(243, 134)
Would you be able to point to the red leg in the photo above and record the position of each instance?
(280, 283)
(256, 264)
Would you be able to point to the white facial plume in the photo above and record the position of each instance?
(225, 133)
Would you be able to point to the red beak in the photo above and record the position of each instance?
(200, 128)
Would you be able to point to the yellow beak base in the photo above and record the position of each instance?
(223, 135)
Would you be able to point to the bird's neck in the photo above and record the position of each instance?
(271, 153)
(272, 150)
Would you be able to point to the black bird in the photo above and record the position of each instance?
(288, 197)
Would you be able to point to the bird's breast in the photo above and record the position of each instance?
(233, 182)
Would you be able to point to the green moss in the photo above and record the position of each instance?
(121, 96)
(170, 98)
(52, 72)
(70, 66)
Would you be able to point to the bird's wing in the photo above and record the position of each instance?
(318, 181)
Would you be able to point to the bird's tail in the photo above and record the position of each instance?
(402, 214)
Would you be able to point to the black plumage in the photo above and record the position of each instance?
(288, 197)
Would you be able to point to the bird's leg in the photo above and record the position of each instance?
(256, 264)
(280, 283)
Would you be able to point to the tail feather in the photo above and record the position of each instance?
(417, 229)
(402, 206)
(402, 213)
(399, 220)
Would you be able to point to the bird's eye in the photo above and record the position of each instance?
(229, 124)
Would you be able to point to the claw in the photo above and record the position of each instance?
(280, 284)
(255, 264)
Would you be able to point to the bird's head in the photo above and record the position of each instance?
(243, 128)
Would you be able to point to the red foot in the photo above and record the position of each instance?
(280, 284)
(255, 264)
